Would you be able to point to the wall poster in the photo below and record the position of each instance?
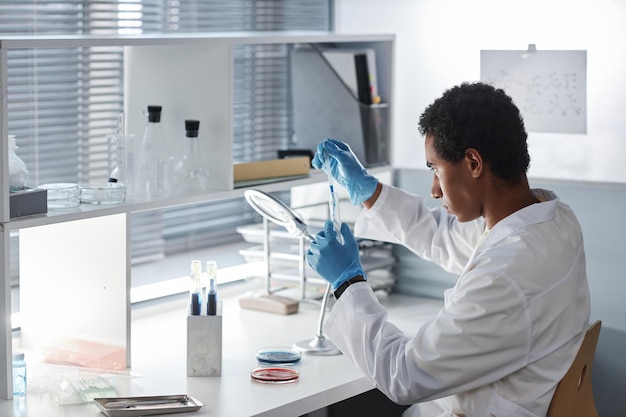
(549, 87)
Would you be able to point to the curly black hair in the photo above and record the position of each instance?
(479, 116)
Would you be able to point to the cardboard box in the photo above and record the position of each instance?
(273, 168)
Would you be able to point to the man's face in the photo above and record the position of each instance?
(455, 184)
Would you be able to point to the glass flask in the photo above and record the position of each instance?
(191, 171)
(153, 176)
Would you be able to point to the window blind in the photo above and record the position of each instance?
(62, 103)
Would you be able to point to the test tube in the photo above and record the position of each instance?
(195, 290)
(333, 202)
(211, 306)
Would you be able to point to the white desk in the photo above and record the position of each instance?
(158, 356)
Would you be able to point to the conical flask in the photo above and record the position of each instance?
(191, 171)
(153, 178)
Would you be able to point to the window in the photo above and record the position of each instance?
(63, 102)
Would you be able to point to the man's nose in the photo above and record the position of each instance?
(435, 190)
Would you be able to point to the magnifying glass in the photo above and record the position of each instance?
(279, 213)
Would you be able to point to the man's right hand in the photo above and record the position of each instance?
(337, 159)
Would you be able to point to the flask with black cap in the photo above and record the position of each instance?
(154, 162)
(191, 171)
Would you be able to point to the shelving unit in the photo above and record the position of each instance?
(83, 284)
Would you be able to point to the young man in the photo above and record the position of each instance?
(512, 324)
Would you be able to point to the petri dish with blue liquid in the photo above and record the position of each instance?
(278, 355)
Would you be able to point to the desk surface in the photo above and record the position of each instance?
(159, 363)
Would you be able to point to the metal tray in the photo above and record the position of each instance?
(148, 406)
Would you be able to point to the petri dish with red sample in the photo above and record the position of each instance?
(274, 375)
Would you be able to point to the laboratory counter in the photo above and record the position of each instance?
(158, 335)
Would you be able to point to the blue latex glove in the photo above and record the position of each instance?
(337, 159)
(335, 262)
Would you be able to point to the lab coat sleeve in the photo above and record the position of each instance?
(477, 338)
(403, 218)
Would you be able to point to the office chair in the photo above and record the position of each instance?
(574, 394)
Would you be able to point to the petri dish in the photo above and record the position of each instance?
(278, 355)
(62, 195)
(274, 375)
(108, 193)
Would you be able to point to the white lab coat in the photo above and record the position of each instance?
(508, 330)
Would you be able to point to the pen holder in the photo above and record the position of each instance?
(375, 128)
(204, 345)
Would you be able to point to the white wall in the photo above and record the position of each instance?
(438, 45)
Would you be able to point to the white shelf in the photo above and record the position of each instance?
(232, 38)
(202, 67)
(88, 211)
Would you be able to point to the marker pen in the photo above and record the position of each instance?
(211, 270)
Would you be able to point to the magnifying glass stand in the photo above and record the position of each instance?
(274, 210)
(319, 345)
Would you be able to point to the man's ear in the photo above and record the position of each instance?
(474, 162)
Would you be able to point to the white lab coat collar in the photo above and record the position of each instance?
(535, 213)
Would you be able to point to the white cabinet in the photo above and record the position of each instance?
(74, 265)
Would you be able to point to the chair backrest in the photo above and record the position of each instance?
(574, 394)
